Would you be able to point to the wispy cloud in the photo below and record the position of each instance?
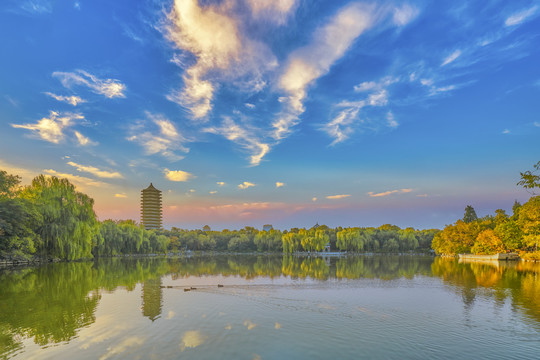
(279, 184)
(52, 128)
(307, 64)
(275, 11)
(389, 192)
(80, 181)
(245, 185)
(521, 16)
(506, 131)
(451, 58)
(37, 6)
(164, 142)
(178, 175)
(244, 137)
(337, 197)
(73, 100)
(83, 140)
(122, 195)
(220, 183)
(222, 51)
(96, 172)
(348, 118)
(536, 123)
(404, 14)
(391, 121)
(110, 88)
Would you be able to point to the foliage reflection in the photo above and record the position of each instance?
(49, 304)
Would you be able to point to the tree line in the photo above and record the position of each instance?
(518, 232)
(49, 218)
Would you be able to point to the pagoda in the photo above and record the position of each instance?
(151, 208)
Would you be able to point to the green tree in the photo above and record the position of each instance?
(17, 220)
(470, 214)
(530, 179)
(68, 218)
(9, 184)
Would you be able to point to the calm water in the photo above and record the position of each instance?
(372, 307)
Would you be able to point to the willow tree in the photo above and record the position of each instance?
(17, 219)
(68, 218)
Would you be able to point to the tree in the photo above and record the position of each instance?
(68, 218)
(17, 219)
(530, 180)
(8, 184)
(487, 243)
(529, 221)
(470, 214)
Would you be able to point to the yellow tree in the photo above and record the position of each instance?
(487, 243)
(529, 221)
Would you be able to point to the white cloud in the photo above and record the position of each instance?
(441, 89)
(212, 34)
(340, 127)
(83, 140)
(80, 181)
(275, 10)
(244, 137)
(51, 129)
(404, 14)
(389, 192)
(96, 172)
(521, 16)
(178, 175)
(337, 197)
(391, 121)
(73, 100)
(109, 87)
(249, 106)
(245, 185)
(451, 58)
(307, 64)
(506, 131)
(37, 6)
(279, 184)
(537, 124)
(165, 142)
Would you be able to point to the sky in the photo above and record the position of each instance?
(285, 112)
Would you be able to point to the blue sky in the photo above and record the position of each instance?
(289, 112)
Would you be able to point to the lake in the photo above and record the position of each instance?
(271, 307)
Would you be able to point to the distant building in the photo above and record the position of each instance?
(151, 208)
(267, 227)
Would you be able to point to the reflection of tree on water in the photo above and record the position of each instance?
(152, 298)
(50, 303)
(520, 282)
(382, 267)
